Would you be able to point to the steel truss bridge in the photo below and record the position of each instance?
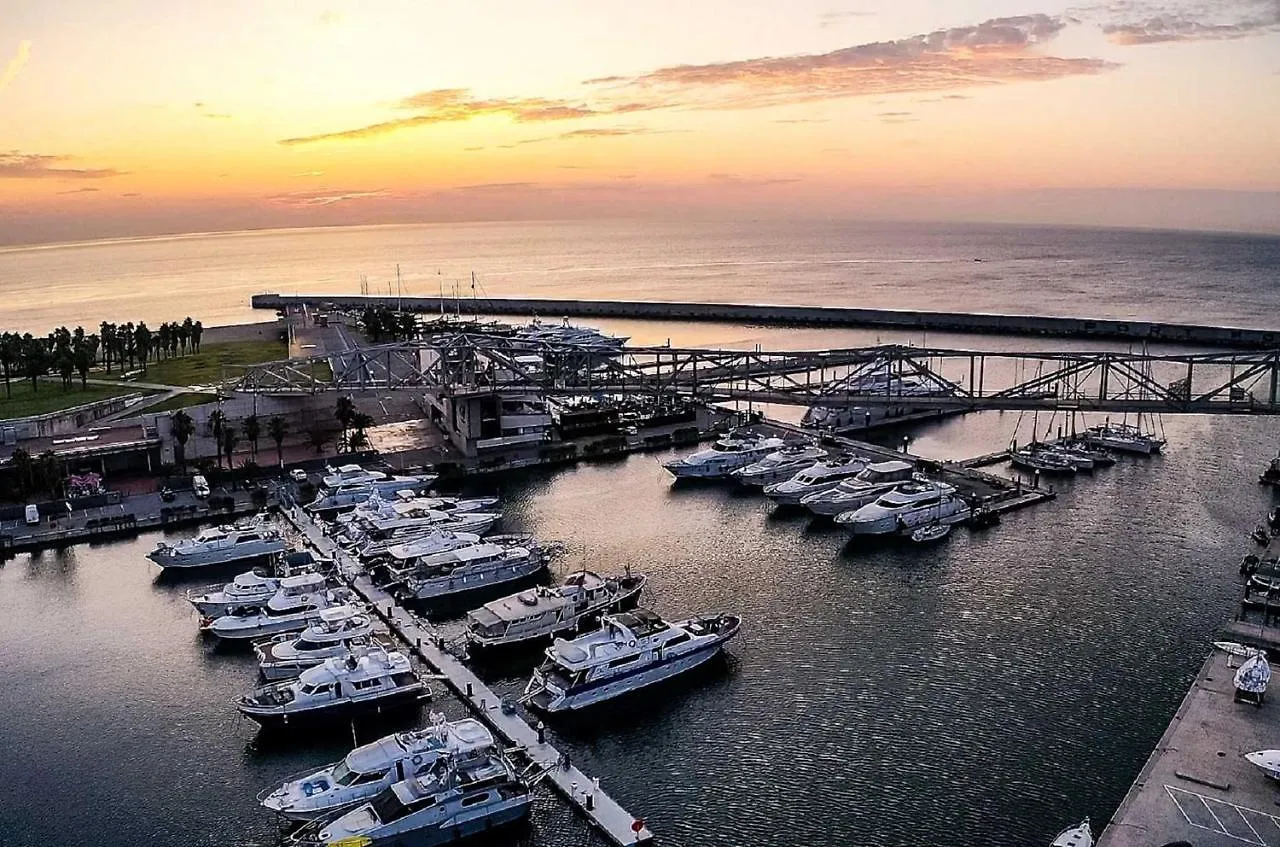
(462, 364)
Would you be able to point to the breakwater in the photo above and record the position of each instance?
(783, 315)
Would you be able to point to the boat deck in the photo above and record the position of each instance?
(1197, 787)
(576, 787)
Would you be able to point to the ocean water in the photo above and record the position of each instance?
(1175, 276)
(988, 690)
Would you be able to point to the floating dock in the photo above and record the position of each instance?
(582, 793)
(791, 315)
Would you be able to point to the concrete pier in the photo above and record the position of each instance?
(1197, 787)
(790, 315)
(582, 793)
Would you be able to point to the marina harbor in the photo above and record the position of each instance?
(449, 658)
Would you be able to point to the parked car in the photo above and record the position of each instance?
(298, 475)
(200, 486)
(32, 513)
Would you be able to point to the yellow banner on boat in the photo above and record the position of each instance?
(353, 841)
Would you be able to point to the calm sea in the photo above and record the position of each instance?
(989, 690)
(1099, 273)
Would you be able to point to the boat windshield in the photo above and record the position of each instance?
(388, 808)
(343, 775)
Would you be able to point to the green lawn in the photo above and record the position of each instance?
(51, 397)
(206, 366)
(180, 401)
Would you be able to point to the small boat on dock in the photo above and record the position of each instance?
(629, 651)
(1080, 835)
(544, 612)
(1267, 760)
(370, 769)
(241, 542)
(931, 533)
(339, 630)
(372, 680)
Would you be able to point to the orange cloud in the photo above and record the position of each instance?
(997, 51)
(15, 165)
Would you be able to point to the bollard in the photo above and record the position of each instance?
(469, 691)
(542, 733)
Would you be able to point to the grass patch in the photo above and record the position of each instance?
(206, 367)
(52, 397)
(180, 401)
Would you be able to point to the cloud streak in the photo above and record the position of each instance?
(14, 65)
(307, 199)
(995, 52)
(1222, 22)
(15, 165)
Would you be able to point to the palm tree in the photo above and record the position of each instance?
(183, 428)
(229, 439)
(48, 472)
(277, 429)
(345, 411)
(185, 334)
(35, 359)
(197, 330)
(252, 429)
(317, 438)
(107, 332)
(142, 339)
(359, 423)
(24, 467)
(217, 421)
(10, 355)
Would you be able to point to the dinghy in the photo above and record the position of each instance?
(931, 533)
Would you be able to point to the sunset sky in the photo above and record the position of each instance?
(129, 117)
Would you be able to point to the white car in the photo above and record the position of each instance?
(200, 486)
(298, 475)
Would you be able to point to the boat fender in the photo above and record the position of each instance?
(633, 642)
(417, 760)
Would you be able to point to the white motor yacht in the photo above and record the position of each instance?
(369, 769)
(386, 532)
(470, 568)
(815, 479)
(545, 612)
(348, 475)
(338, 631)
(241, 542)
(1267, 760)
(394, 560)
(907, 507)
(351, 494)
(1124, 438)
(252, 589)
(629, 651)
(452, 801)
(371, 680)
(779, 465)
(728, 454)
(409, 506)
(277, 615)
(864, 488)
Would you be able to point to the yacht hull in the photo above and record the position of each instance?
(442, 588)
(275, 717)
(912, 520)
(168, 560)
(458, 828)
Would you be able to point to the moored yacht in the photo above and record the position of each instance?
(815, 479)
(370, 680)
(367, 770)
(453, 800)
(728, 454)
(241, 542)
(1043, 461)
(860, 490)
(277, 615)
(337, 631)
(349, 475)
(348, 495)
(252, 589)
(544, 612)
(629, 651)
(472, 568)
(780, 464)
(372, 536)
(394, 560)
(907, 507)
(1124, 438)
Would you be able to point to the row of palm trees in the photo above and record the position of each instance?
(67, 352)
(226, 434)
(40, 474)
